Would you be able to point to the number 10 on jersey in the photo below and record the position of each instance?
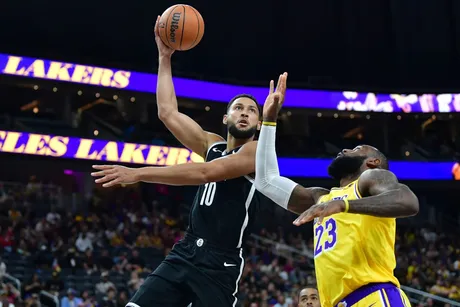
(209, 192)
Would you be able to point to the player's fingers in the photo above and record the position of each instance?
(303, 218)
(272, 86)
(103, 167)
(106, 178)
(99, 174)
(111, 183)
(155, 29)
(104, 172)
(280, 80)
(321, 218)
(284, 84)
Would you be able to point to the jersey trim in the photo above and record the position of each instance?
(356, 188)
(246, 218)
(239, 277)
(250, 179)
(210, 147)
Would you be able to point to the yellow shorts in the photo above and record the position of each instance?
(376, 295)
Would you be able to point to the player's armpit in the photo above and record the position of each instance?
(384, 196)
(233, 166)
(303, 198)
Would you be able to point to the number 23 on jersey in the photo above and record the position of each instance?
(326, 236)
(209, 192)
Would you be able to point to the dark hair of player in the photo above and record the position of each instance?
(245, 96)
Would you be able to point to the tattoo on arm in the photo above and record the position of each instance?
(384, 196)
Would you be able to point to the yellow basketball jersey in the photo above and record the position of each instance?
(352, 250)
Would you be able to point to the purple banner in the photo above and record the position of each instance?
(97, 150)
(118, 152)
(143, 82)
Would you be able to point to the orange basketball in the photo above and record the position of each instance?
(181, 27)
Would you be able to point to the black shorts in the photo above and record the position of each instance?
(196, 272)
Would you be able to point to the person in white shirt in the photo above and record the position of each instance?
(83, 243)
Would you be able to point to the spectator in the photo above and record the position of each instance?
(105, 262)
(6, 239)
(135, 282)
(87, 300)
(89, 264)
(55, 284)
(33, 301)
(104, 285)
(53, 217)
(143, 240)
(11, 293)
(110, 300)
(83, 243)
(123, 298)
(34, 286)
(136, 262)
(71, 300)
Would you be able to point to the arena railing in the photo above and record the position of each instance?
(13, 279)
(421, 296)
(51, 297)
(281, 249)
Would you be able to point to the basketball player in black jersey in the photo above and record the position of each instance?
(205, 267)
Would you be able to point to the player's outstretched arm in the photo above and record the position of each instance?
(185, 129)
(283, 191)
(383, 196)
(233, 166)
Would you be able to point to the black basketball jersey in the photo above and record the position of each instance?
(223, 212)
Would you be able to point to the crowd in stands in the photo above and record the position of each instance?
(101, 257)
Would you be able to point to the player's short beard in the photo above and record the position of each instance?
(241, 134)
(345, 166)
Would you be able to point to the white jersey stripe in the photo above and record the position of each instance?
(239, 277)
(246, 218)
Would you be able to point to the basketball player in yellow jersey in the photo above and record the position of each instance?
(355, 224)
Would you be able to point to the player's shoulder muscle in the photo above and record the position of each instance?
(376, 181)
(211, 139)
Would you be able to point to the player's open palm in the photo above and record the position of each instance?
(163, 49)
(320, 211)
(275, 98)
(112, 175)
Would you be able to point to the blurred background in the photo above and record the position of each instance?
(383, 73)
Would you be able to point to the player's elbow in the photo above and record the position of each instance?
(261, 184)
(413, 206)
(164, 115)
(410, 201)
(211, 173)
(167, 112)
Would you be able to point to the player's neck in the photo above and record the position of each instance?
(233, 143)
(347, 180)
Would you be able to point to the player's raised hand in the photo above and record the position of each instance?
(320, 211)
(275, 98)
(114, 174)
(163, 49)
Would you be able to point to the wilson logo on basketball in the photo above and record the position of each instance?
(174, 26)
